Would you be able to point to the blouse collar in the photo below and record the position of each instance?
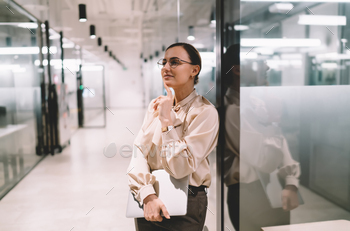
(183, 102)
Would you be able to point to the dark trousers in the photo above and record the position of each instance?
(192, 221)
(249, 208)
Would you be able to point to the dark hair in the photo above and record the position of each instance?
(193, 55)
(231, 58)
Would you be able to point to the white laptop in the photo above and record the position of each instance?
(172, 192)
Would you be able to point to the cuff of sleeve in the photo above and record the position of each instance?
(145, 191)
(291, 180)
(169, 136)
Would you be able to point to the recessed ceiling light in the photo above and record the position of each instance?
(241, 27)
(322, 20)
(281, 8)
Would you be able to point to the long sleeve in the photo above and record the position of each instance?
(268, 153)
(262, 152)
(181, 157)
(290, 169)
(140, 179)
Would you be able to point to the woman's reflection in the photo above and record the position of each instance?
(257, 157)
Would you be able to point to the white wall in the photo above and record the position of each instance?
(125, 88)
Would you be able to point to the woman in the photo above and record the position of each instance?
(177, 135)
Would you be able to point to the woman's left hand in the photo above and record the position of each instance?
(164, 103)
(290, 198)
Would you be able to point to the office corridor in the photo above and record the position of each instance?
(80, 188)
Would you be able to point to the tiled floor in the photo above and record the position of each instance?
(79, 189)
(82, 189)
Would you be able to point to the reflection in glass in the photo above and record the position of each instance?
(286, 141)
(20, 97)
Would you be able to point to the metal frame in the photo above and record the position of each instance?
(220, 108)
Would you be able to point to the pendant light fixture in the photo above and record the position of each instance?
(82, 13)
(106, 48)
(191, 33)
(213, 17)
(92, 32)
(99, 41)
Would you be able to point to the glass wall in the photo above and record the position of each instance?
(94, 96)
(285, 71)
(165, 23)
(20, 95)
(71, 62)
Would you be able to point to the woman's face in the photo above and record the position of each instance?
(179, 76)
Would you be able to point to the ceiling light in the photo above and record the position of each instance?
(106, 48)
(280, 42)
(25, 50)
(9, 66)
(329, 65)
(241, 27)
(54, 36)
(82, 13)
(99, 41)
(68, 45)
(29, 25)
(323, 20)
(332, 56)
(92, 32)
(191, 38)
(191, 33)
(281, 8)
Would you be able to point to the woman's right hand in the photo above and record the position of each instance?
(152, 206)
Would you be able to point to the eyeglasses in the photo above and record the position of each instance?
(173, 62)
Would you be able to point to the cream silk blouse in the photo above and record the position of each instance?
(252, 146)
(182, 151)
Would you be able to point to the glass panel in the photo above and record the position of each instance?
(71, 64)
(93, 95)
(289, 140)
(20, 95)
